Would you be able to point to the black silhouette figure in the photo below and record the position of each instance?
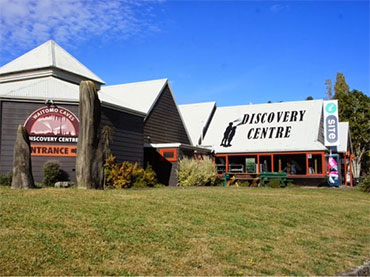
(231, 136)
(227, 132)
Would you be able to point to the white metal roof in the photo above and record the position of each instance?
(343, 137)
(195, 117)
(49, 54)
(51, 88)
(140, 96)
(299, 123)
(41, 88)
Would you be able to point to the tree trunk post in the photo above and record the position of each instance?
(22, 166)
(89, 161)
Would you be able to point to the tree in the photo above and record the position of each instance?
(329, 89)
(354, 107)
(107, 137)
(340, 84)
(309, 98)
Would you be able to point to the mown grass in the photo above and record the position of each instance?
(201, 231)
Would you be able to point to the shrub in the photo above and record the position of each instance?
(242, 184)
(128, 175)
(6, 180)
(365, 184)
(196, 172)
(51, 173)
(275, 183)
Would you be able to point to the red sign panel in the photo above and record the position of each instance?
(56, 126)
(53, 150)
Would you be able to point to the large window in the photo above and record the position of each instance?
(314, 164)
(221, 165)
(293, 164)
(243, 164)
(265, 164)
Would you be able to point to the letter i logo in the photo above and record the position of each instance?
(331, 108)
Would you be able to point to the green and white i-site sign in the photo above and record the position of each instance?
(331, 123)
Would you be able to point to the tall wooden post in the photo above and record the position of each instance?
(22, 167)
(89, 162)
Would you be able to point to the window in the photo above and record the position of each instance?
(314, 164)
(221, 164)
(293, 164)
(265, 163)
(169, 155)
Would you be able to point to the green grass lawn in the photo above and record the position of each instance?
(196, 231)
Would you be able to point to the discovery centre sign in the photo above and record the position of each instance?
(53, 131)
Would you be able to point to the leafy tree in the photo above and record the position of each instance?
(354, 107)
(309, 98)
(340, 84)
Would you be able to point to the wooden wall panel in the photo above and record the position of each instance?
(164, 124)
(127, 142)
(14, 114)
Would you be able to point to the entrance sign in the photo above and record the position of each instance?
(331, 125)
(57, 127)
(53, 150)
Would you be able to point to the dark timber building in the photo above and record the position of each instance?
(41, 91)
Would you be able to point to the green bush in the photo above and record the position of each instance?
(6, 180)
(275, 183)
(51, 173)
(128, 175)
(365, 184)
(242, 184)
(196, 172)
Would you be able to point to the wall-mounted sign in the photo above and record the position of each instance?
(273, 127)
(53, 150)
(265, 125)
(56, 126)
(331, 129)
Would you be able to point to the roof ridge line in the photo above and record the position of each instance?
(52, 49)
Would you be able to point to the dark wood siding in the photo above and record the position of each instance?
(164, 124)
(14, 114)
(127, 142)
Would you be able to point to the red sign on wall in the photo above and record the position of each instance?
(56, 126)
(53, 150)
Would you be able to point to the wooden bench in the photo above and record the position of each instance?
(269, 176)
(252, 178)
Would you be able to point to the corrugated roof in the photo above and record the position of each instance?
(195, 117)
(343, 137)
(42, 88)
(140, 96)
(258, 126)
(49, 54)
(51, 88)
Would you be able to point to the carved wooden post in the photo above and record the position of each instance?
(89, 162)
(22, 167)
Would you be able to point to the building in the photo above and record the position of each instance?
(40, 90)
(275, 137)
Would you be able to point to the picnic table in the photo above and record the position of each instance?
(266, 177)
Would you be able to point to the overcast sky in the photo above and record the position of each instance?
(231, 52)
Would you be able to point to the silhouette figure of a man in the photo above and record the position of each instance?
(226, 134)
(231, 135)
